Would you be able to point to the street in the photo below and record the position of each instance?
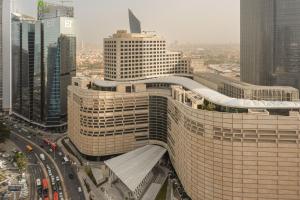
(68, 171)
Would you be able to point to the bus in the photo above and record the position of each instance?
(45, 187)
(55, 196)
(29, 148)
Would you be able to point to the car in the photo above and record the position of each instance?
(60, 194)
(50, 150)
(54, 187)
(29, 137)
(60, 154)
(71, 176)
(59, 186)
(79, 189)
(52, 180)
(57, 178)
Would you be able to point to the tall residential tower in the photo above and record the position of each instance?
(270, 42)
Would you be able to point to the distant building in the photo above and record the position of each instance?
(49, 10)
(134, 23)
(241, 90)
(44, 62)
(135, 56)
(270, 42)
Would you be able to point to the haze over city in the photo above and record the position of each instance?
(192, 21)
(149, 99)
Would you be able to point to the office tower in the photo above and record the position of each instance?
(59, 65)
(134, 23)
(23, 64)
(270, 42)
(44, 62)
(5, 64)
(136, 56)
(1, 56)
(49, 10)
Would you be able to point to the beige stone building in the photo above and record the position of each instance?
(238, 89)
(136, 56)
(221, 147)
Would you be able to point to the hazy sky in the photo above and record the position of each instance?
(195, 21)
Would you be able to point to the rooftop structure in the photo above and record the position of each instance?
(134, 23)
(48, 10)
(241, 90)
(132, 168)
(210, 94)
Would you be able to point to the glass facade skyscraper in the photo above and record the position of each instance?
(59, 50)
(23, 65)
(270, 42)
(44, 62)
(1, 56)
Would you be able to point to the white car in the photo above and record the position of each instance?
(79, 189)
(57, 178)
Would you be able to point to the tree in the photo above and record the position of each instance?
(4, 133)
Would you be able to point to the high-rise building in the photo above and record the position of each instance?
(5, 55)
(134, 23)
(23, 64)
(1, 55)
(49, 10)
(44, 62)
(135, 56)
(59, 65)
(270, 42)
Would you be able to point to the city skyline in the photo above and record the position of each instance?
(202, 22)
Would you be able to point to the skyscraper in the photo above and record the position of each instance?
(44, 61)
(59, 65)
(5, 56)
(270, 42)
(1, 55)
(23, 65)
(134, 22)
(49, 10)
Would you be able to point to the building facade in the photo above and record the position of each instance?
(131, 56)
(5, 65)
(44, 62)
(270, 42)
(220, 147)
(1, 55)
(23, 65)
(134, 23)
(241, 90)
(48, 10)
